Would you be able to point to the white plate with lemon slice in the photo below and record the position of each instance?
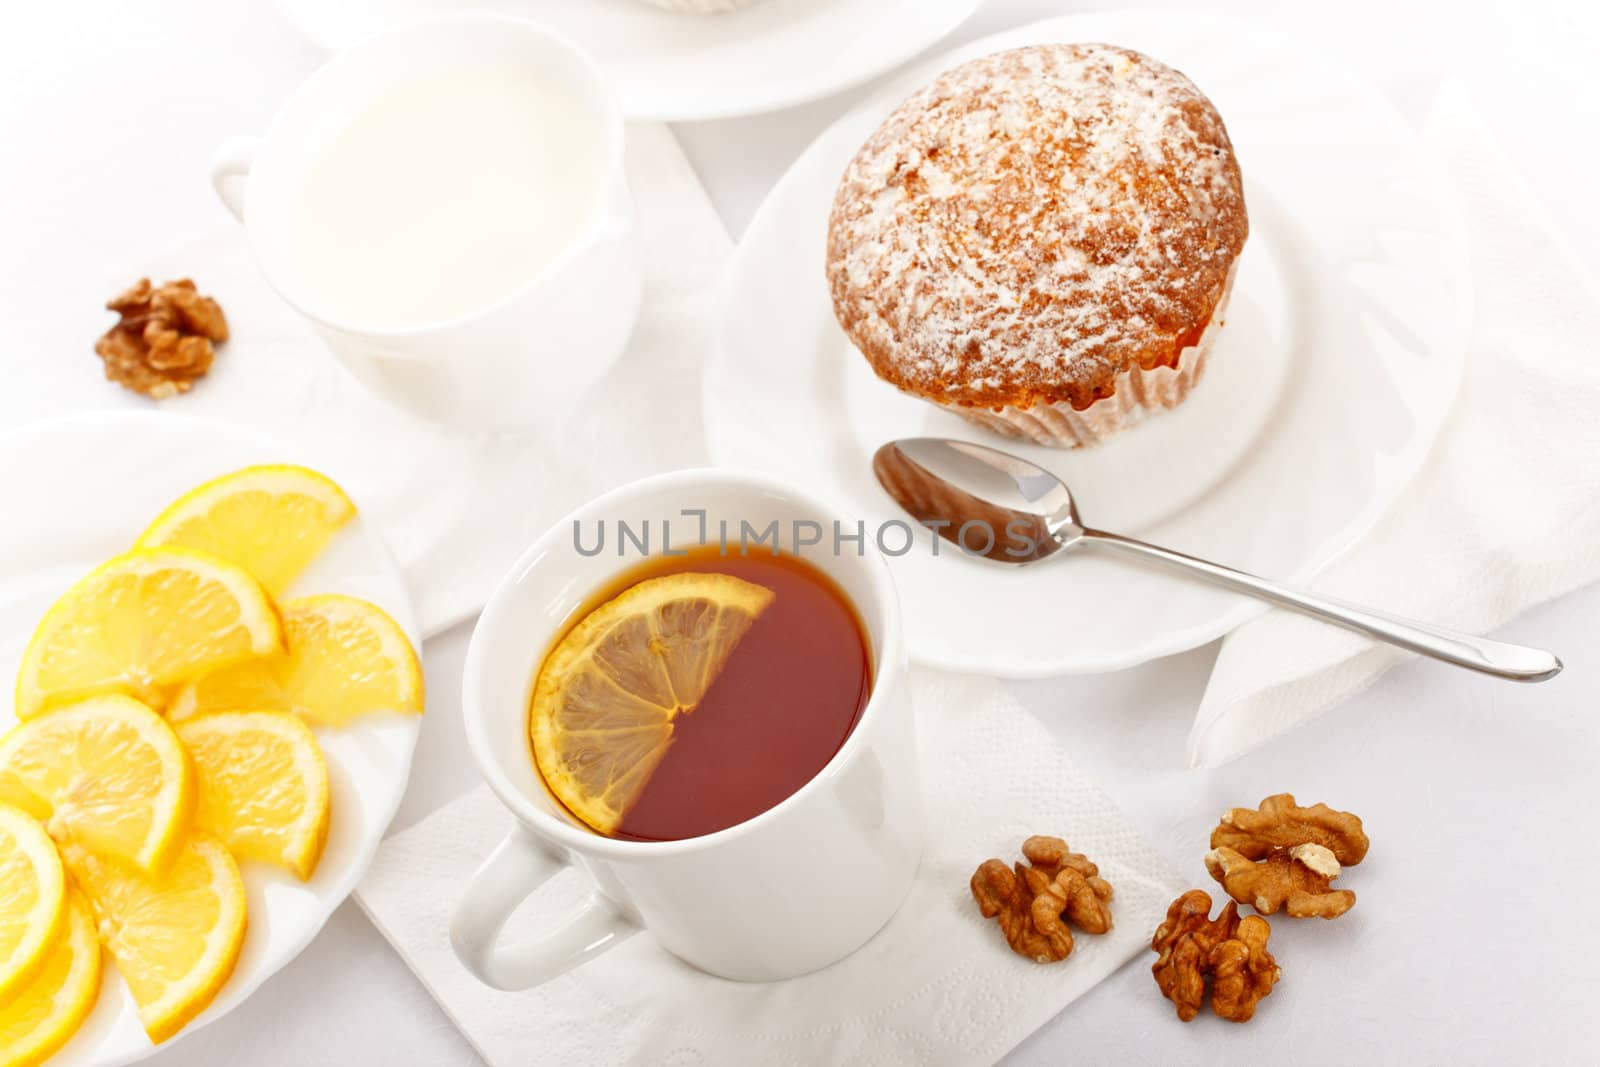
(80, 491)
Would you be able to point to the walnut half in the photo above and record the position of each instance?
(1283, 856)
(1191, 947)
(1036, 906)
(163, 343)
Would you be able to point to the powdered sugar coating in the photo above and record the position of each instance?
(1033, 223)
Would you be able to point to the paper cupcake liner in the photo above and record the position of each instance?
(1139, 394)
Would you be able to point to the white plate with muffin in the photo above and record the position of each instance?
(1214, 284)
(678, 60)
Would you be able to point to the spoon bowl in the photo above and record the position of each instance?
(988, 503)
(957, 488)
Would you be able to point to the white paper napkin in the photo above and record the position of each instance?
(457, 508)
(936, 986)
(1504, 513)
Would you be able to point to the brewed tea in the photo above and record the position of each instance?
(697, 691)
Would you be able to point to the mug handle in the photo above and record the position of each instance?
(230, 164)
(519, 865)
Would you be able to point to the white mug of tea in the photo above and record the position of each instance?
(758, 869)
(446, 203)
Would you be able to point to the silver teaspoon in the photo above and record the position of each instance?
(1025, 514)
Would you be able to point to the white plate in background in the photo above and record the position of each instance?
(1341, 354)
(77, 491)
(673, 67)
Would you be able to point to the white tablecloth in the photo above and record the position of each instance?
(1478, 794)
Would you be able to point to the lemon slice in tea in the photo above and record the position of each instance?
(607, 695)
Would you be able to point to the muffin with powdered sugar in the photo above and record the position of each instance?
(1042, 240)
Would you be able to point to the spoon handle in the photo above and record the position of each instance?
(1516, 662)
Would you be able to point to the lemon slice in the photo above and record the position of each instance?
(175, 938)
(272, 521)
(42, 1017)
(344, 658)
(145, 621)
(32, 899)
(603, 705)
(263, 786)
(107, 773)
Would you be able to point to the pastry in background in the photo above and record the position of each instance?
(700, 7)
(1042, 241)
